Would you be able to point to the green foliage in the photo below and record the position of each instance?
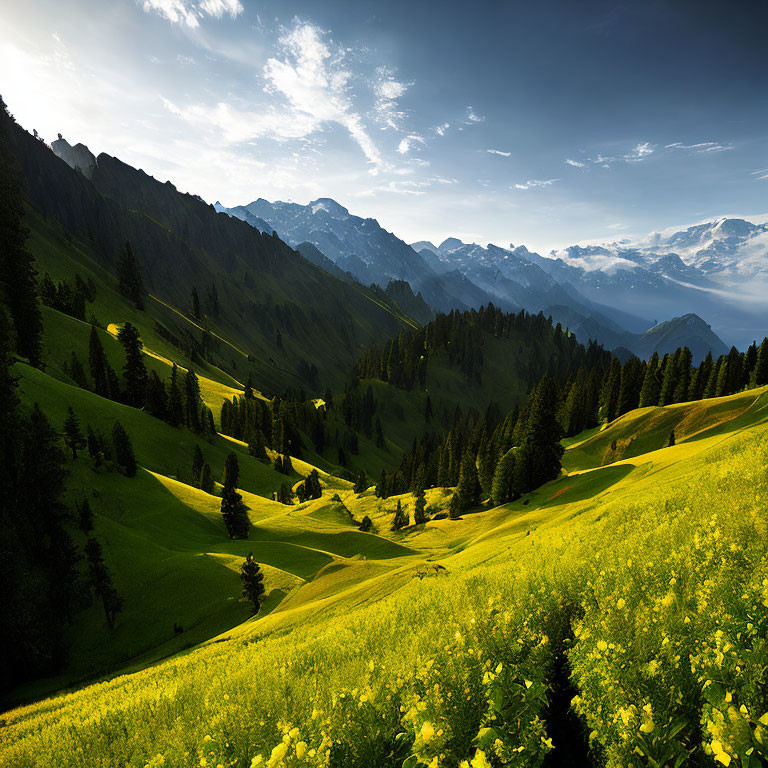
(73, 435)
(101, 581)
(124, 455)
(400, 519)
(129, 277)
(253, 582)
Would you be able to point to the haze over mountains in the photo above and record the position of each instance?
(615, 292)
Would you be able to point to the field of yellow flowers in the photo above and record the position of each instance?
(619, 625)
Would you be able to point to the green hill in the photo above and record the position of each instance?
(522, 590)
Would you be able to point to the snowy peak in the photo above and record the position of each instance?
(450, 244)
(329, 206)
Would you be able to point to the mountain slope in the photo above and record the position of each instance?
(618, 554)
(280, 313)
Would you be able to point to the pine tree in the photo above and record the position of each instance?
(381, 486)
(134, 372)
(18, 278)
(671, 441)
(231, 472)
(420, 507)
(538, 457)
(361, 484)
(157, 397)
(257, 447)
(366, 524)
(400, 519)
(77, 372)
(129, 276)
(124, 455)
(175, 404)
(206, 478)
(379, 434)
(649, 392)
(101, 580)
(609, 397)
(195, 304)
(103, 376)
(192, 401)
(503, 489)
(235, 513)
(253, 582)
(95, 447)
(760, 373)
(468, 489)
(197, 464)
(73, 435)
(85, 519)
(312, 487)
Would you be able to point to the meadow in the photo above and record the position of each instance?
(616, 616)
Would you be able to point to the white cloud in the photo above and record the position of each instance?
(532, 183)
(575, 163)
(405, 145)
(442, 128)
(639, 152)
(702, 148)
(189, 12)
(498, 152)
(387, 91)
(311, 84)
(473, 117)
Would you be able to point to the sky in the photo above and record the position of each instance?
(540, 123)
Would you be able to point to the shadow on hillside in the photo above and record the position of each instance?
(574, 488)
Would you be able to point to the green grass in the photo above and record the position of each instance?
(605, 552)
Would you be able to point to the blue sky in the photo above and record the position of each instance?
(540, 123)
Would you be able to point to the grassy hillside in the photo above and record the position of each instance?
(615, 616)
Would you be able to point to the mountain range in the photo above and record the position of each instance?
(619, 294)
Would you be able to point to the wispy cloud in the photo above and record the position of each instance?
(189, 12)
(310, 82)
(702, 148)
(533, 183)
(407, 143)
(473, 117)
(388, 90)
(442, 128)
(575, 163)
(498, 152)
(761, 174)
(639, 152)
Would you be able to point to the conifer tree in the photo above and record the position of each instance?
(85, 519)
(175, 404)
(73, 435)
(671, 441)
(18, 278)
(381, 486)
(206, 478)
(95, 446)
(312, 487)
(195, 304)
(504, 479)
(197, 464)
(468, 489)
(366, 524)
(651, 387)
(157, 397)
(124, 455)
(134, 372)
(256, 446)
(428, 410)
(77, 372)
(760, 372)
(97, 362)
(235, 513)
(129, 276)
(253, 582)
(710, 390)
(379, 434)
(609, 398)
(538, 457)
(669, 378)
(101, 581)
(231, 471)
(400, 519)
(192, 401)
(361, 484)
(420, 507)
